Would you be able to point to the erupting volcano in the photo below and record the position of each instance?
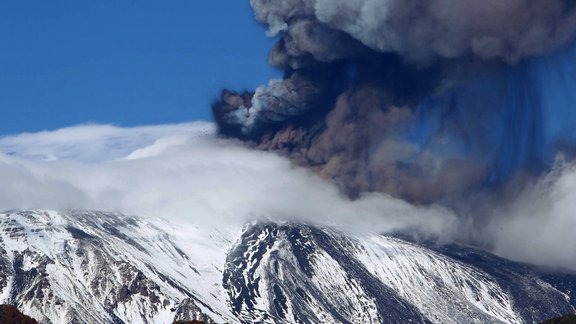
(415, 163)
(429, 101)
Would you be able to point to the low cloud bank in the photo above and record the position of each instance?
(185, 173)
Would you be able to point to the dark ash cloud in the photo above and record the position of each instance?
(422, 30)
(354, 104)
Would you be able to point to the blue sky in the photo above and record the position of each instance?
(126, 62)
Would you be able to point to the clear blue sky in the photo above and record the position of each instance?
(126, 62)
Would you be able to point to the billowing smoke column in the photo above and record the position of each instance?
(427, 100)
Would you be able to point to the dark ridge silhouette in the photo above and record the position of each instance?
(569, 319)
(11, 315)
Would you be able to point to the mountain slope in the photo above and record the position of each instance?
(374, 279)
(96, 267)
(101, 268)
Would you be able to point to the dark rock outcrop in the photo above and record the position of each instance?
(11, 315)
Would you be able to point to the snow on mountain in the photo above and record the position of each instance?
(92, 267)
(97, 267)
(300, 273)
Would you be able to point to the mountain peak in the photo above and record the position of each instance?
(100, 267)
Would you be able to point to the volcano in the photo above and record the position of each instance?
(98, 267)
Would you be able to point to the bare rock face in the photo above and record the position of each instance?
(11, 315)
(188, 310)
(568, 319)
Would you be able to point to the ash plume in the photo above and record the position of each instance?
(422, 31)
(428, 101)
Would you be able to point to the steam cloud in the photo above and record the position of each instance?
(185, 174)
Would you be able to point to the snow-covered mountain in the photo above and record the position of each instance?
(97, 267)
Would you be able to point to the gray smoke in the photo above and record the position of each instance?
(423, 30)
(358, 71)
(290, 97)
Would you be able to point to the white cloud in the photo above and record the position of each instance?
(185, 172)
(540, 226)
(96, 143)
